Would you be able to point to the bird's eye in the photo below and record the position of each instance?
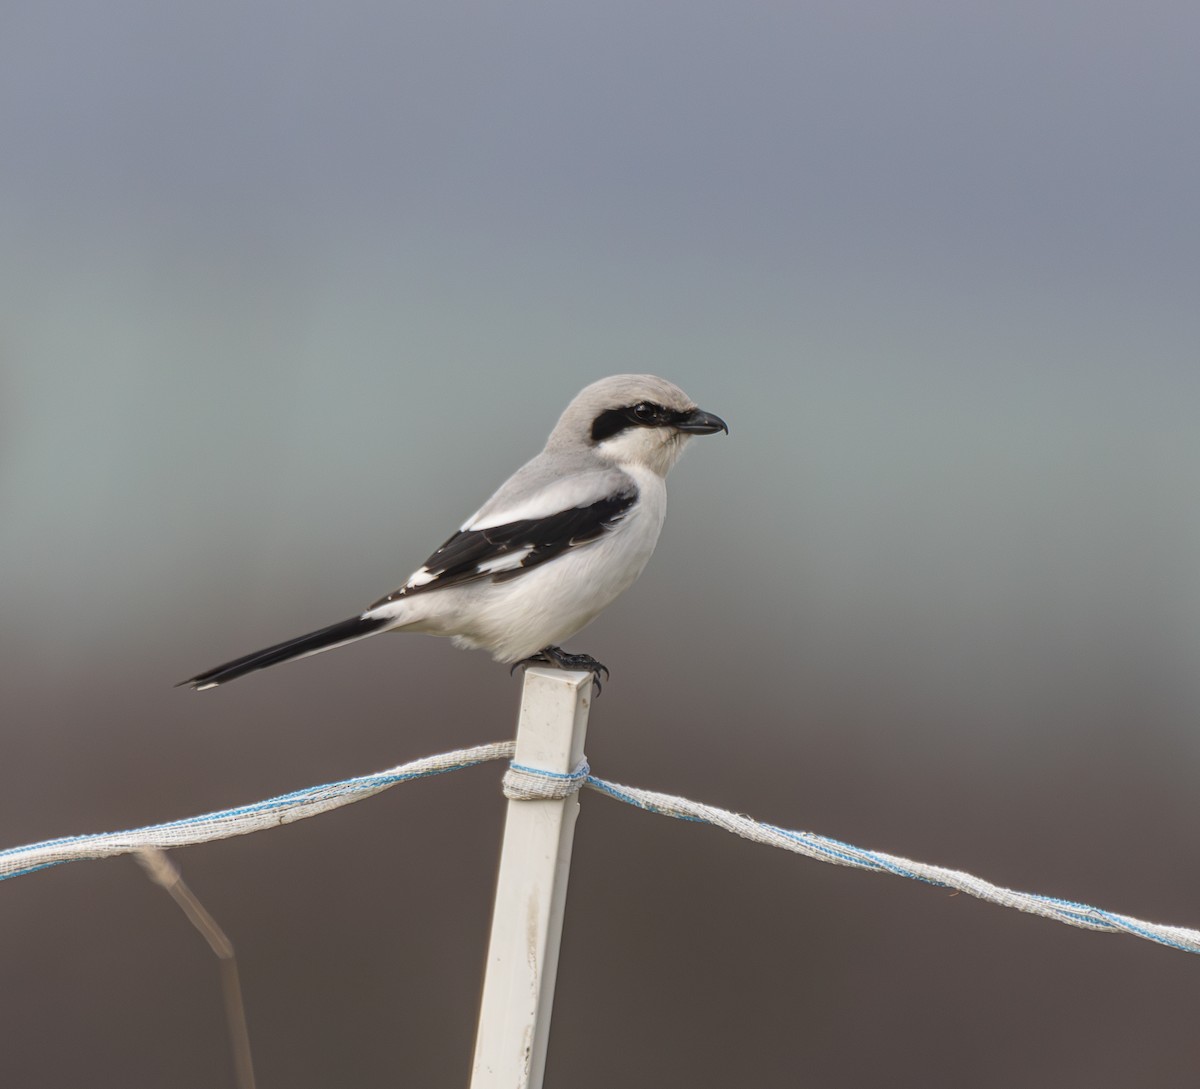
(645, 411)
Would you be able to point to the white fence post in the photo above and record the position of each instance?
(535, 862)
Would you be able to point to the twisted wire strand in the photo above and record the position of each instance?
(525, 783)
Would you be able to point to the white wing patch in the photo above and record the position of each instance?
(419, 578)
(506, 562)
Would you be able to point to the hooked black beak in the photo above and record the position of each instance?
(699, 422)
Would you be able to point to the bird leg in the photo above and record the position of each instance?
(561, 659)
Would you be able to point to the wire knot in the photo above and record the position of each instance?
(526, 784)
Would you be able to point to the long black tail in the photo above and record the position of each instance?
(345, 631)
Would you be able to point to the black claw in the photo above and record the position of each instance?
(539, 658)
(562, 659)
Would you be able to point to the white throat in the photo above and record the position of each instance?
(653, 448)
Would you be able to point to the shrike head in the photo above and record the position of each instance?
(633, 420)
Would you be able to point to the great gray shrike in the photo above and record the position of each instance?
(558, 542)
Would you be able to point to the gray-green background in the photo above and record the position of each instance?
(286, 289)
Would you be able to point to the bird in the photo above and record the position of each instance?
(557, 543)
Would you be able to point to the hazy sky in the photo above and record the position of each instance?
(949, 234)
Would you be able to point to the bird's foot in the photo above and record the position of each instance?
(561, 659)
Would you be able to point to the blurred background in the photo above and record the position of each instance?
(286, 290)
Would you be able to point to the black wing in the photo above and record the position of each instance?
(504, 552)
